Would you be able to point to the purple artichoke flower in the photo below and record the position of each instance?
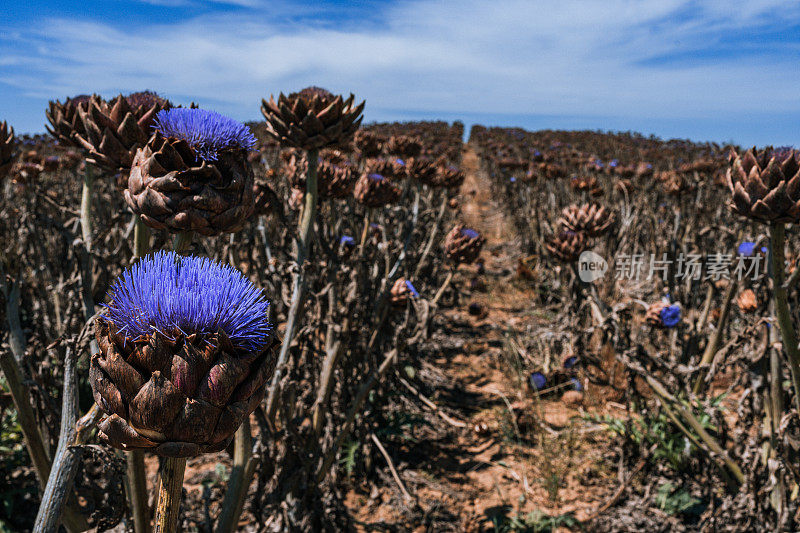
(185, 355)
(747, 248)
(207, 132)
(537, 381)
(411, 288)
(670, 316)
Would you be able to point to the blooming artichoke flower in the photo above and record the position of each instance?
(394, 169)
(65, 119)
(662, 314)
(746, 248)
(185, 354)
(115, 130)
(537, 381)
(375, 190)
(566, 246)
(312, 119)
(7, 147)
(401, 291)
(592, 219)
(463, 245)
(765, 184)
(404, 146)
(193, 174)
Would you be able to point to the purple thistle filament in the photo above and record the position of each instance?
(411, 288)
(537, 381)
(207, 132)
(747, 248)
(470, 233)
(171, 294)
(670, 316)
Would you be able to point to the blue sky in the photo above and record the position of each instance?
(705, 70)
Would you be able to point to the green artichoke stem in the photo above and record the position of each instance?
(137, 490)
(182, 241)
(141, 239)
(777, 236)
(239, 481)
(86, 207)
(169, 495)
(444, 286)
(716, 337)
(304, 238)
(134, 460)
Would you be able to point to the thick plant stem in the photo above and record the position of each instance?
(66, 462)
(239, 481)
(141, 239)
(86, 206)
(304, 238)
(137, 478)
(443, 288)
(374, 378)
(169, 495)
(137, 488)
(27, 419)
(777, 237)
(182, 241)
(713, 343)
(719, 454)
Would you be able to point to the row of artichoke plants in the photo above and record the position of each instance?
(680, 344)
(295, 271)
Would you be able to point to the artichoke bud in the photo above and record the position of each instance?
(193, 174)
(463, 245)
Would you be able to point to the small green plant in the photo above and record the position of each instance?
(534, 522)
(674, 500)
(656, 428)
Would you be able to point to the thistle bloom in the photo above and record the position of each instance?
(207, 132)
(670, 316)
(747, 248)
(537, 381)
(412, 290)
(184, 355)
(463, 245)
(193, 174)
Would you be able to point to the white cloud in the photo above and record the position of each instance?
(572, 57)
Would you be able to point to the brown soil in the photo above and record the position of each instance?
(482, 470)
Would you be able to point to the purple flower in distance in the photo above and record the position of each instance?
(411, 288)
(207, 132)
(470, 233)
(670, 316)
(613, 163)
(347, 240)
(400, 162)
(570, 361)
(174, 295)
(576, 384)
(512, 179)
(375, 177)
(747, 248)
(537, 381)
